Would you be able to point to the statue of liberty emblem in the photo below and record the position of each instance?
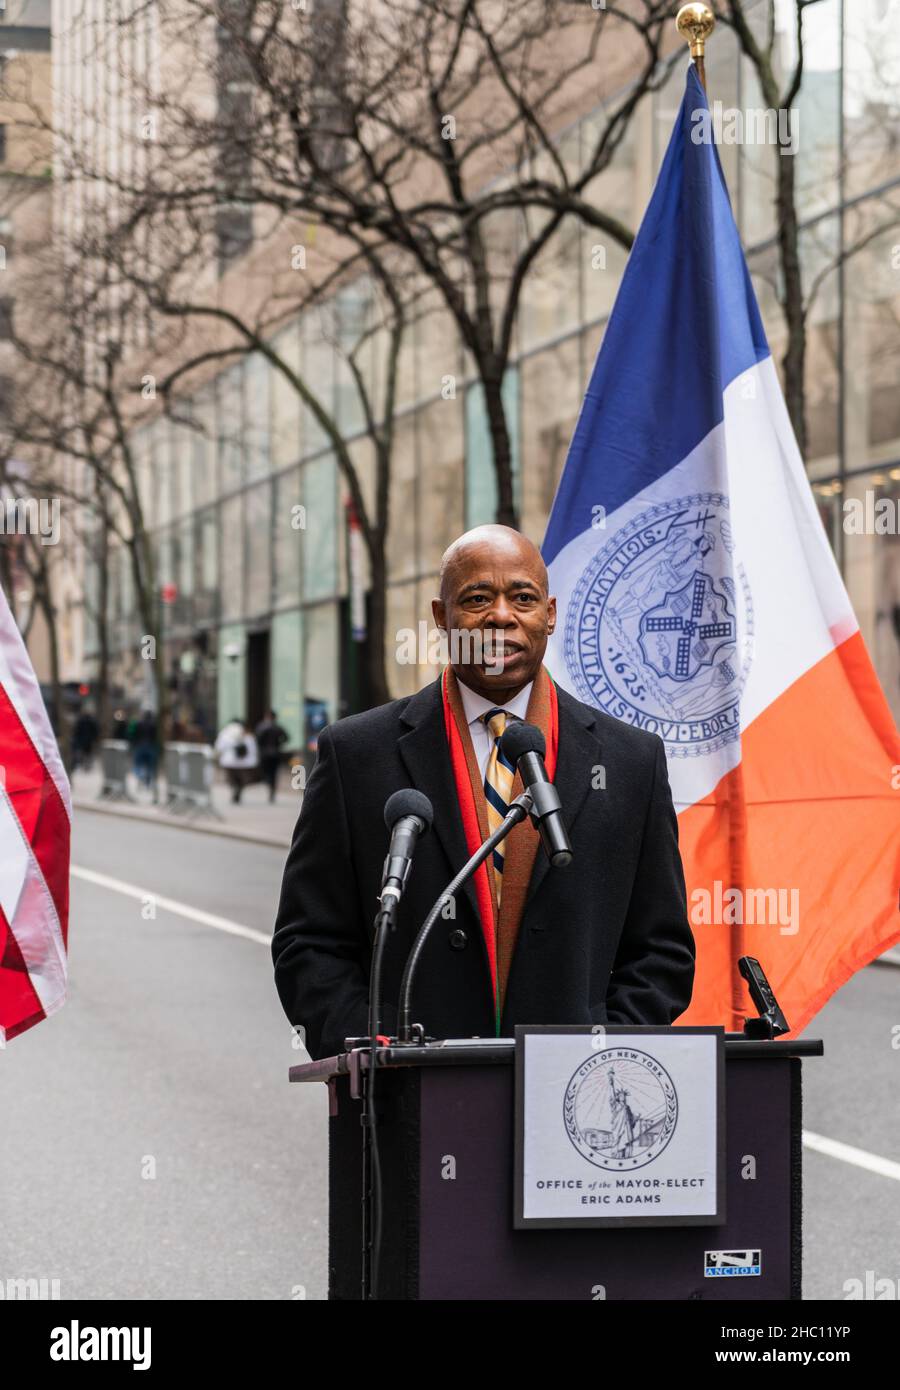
(620, 1109)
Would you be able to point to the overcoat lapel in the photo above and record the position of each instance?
(426, 757)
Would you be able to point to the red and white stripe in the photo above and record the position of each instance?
(35, 831)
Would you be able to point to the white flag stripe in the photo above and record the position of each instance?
(14, 859)
(31, 912)
(18, 680)
(799, 604)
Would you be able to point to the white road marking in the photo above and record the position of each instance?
(874, 1163)
(194, 914)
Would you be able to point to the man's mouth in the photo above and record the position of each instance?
(503, 651)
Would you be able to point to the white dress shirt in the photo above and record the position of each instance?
(476, 705)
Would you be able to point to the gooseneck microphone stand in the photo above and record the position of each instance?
(385, 922)
(407, 814)
(519, 809)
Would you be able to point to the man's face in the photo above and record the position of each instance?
(500, 591)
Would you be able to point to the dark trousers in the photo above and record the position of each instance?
(236, 779)
(268, 765)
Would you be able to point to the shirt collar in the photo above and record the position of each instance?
(476, 705)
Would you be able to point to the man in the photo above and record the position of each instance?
(85, 733)
(605, 940)
(145, 750)
(270, 737)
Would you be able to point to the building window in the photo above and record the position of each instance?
(2, 144)
(6, 319)
(330, 104)
(234, 230)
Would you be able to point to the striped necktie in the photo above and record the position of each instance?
(498, 781)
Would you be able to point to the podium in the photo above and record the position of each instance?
(446, 1145)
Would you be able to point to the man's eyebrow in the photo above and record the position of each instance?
(477, 584)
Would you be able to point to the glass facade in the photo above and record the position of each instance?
(246, 502)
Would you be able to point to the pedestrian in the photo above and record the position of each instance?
(270, 739)
(145, 750)
(84, 739)
(238, 756)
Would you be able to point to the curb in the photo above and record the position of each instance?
(179, 823)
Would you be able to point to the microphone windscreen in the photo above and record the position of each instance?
(407, 802)
(520, 738)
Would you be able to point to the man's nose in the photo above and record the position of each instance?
(502, 613)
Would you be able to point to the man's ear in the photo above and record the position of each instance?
(439, 613)
(551, 613)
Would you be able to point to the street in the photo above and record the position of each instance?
(152, 1147)
(172, 1050)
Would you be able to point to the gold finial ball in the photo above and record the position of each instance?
(695, 23)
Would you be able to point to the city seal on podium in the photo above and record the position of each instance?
(620, 1109)
(659, 627)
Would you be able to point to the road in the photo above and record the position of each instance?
(151, 1146)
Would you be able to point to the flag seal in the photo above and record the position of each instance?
(659, 626)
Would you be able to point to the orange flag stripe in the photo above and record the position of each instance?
(821, 780)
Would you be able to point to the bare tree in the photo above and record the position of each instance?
(422, 136)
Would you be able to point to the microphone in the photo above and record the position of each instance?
(407, 815)
(523, 745)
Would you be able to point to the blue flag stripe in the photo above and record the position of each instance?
(674, 341)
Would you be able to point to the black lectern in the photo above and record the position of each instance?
(446, 1139)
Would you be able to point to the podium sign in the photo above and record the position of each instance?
(619, 1126)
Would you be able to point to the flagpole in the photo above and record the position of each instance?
(695, 23)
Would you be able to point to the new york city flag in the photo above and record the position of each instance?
(699, 598)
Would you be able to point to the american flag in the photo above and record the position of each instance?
(35, 824)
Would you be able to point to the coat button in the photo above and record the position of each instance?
(458, 939)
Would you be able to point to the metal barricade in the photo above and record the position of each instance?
(115, 759)
(170, 767)
(190, 773)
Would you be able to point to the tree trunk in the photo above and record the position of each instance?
(506, 513)
(794, 359)
(102, 620)
(44, 598)
(150, 609)
(379, 692)
(103, 663)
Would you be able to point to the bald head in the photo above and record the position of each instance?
(502, 542)
(494, 584)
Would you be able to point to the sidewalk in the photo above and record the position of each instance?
(253, 819)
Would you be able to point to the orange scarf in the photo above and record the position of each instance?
(500, 929)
